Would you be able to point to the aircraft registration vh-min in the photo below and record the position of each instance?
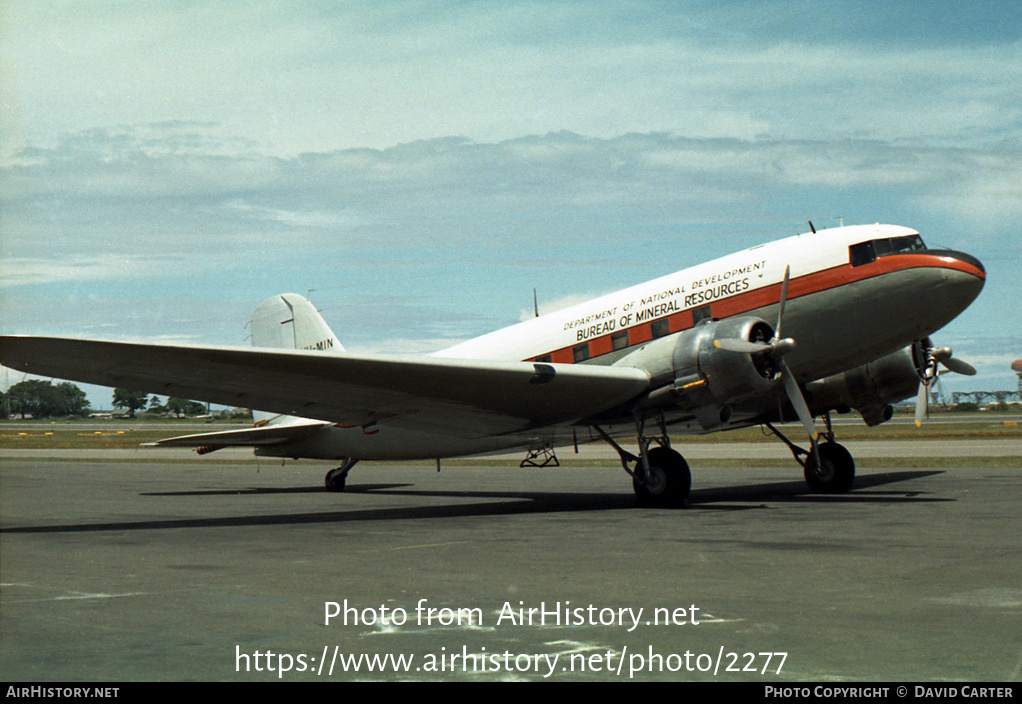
(789, 331)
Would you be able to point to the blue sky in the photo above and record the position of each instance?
(422, 166)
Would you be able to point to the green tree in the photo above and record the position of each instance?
(41, 399)
(130, 400)
(183, 407)
(73, 399)
(177, 405)
(33, 397)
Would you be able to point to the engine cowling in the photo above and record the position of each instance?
(871, 388)
(688, 370)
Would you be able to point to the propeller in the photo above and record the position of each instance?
(776, 348)
(930, 357)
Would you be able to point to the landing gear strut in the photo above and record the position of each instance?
(660, 475)
(335, 478)
(829, 467)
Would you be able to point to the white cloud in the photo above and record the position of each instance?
(988, 188)
(17, 272)
(295, 77)
(98, 198)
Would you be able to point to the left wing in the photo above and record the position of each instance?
(466, 398)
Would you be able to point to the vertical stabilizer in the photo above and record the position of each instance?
(290, 321)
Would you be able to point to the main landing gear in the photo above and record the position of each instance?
(828, 466)
(660, 475)
(336, 478)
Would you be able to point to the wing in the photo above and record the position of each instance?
(467, 398)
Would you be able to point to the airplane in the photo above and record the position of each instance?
(788, 331)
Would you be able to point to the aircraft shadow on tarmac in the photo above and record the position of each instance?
(734, 498)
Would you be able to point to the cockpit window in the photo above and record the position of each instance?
(866, 252)
(897, 245)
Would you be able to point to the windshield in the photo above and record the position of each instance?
(866, 252)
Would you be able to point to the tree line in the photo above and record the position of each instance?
(44, 399)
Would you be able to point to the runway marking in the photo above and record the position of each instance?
(388, 628)
(991, 597)
(73, 596)
(578, 647)
(83, 595)
(710, 618)
(385, 626)
(416, 547)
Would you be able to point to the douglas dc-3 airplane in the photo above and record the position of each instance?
(786, 331)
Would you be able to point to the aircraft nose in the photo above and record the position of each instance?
(964, 276)
(970, 261)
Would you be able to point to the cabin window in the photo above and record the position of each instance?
(661, 328)
(580, 353)
(619, 340)
(544, 358)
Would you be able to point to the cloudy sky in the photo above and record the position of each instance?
(422, 166)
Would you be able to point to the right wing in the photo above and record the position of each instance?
(464, 398)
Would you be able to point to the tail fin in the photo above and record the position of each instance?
(290, 321)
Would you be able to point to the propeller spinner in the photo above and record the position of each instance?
(776, 348)
(929, 357)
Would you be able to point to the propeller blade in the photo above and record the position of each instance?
(958, 366)
(733, 344)
(784, 299)
(945, 356)
(922, 403)
(798, 401)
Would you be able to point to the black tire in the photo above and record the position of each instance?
(669, 481)
(836, 473)
(334, 480)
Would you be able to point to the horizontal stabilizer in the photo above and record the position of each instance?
(245, 437)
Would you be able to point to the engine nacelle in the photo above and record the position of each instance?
(689, 371)
(873, 387)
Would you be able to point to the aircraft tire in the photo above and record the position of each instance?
(334, 480)
(670, 480)
(836, 473)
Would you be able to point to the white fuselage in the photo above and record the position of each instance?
(746, 282)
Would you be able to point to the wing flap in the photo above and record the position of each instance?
(470, 398)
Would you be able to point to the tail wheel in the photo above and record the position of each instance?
(836, 471)
(667, 482)
(335, 480)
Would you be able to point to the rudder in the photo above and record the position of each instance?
(290, 321)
